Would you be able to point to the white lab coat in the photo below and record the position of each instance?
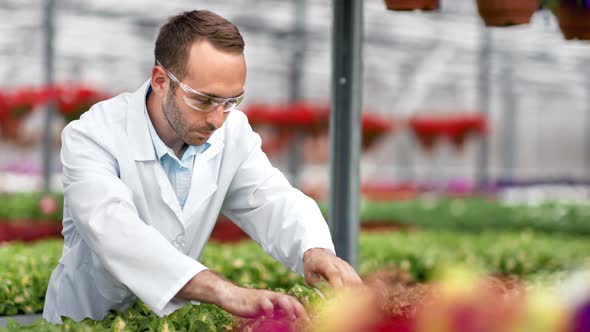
(125, 233)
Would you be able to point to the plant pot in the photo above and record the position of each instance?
(501, 13)
(574, 22)
(10, 127)
(412, 4)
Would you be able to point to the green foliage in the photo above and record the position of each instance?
(202, 318)
(477, 214)
(26, 206)
(247, 265)
(462, 214)
(24, 275)
(25, 270)
(525, 254)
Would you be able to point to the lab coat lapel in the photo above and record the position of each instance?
(143, 148)
(138, 133)
(166, 191)
(139, 145)
(204, 177)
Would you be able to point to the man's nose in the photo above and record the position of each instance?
(216, 117)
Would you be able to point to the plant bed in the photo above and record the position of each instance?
(225, 231)
(392, 301)
(20, 319)
(29, 230)
(25, 269)
(379, 226)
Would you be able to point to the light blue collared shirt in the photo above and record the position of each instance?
(178, 171)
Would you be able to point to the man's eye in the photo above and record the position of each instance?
(202, 101)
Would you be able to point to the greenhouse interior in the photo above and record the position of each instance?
(389, 165)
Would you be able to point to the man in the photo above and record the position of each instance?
(147, 173)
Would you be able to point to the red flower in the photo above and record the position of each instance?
(312, 119)
(75, 100)
(3, 107)
(455, 127)
(21, 102)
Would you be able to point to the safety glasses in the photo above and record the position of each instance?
(202, 102)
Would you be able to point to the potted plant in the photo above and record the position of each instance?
(573, 17)
(74, 100)
(427, 5)
(16, 106)
(500, 13)
(455, 127)
(311, 119)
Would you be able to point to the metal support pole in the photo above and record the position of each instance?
(482, 171)
(509, 121)
(345, 126)
(48, 64)
(295, 80)
(587, 145)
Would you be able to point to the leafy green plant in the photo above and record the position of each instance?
(31, 206)
(25, 270)
(461, 214)
(478, 214)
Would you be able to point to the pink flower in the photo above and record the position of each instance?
(48, 204)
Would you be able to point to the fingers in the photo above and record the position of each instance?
(334, 276)
(253, 303)
(287, 306)
(312, 279)
(349, 276)
(336, 271)
(298, 308)
(267, 306)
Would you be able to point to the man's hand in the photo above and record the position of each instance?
(251, 303)
(321, 263)
(208, 287)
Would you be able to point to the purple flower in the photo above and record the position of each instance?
(582, 318)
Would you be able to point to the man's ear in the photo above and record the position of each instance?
(159, 81)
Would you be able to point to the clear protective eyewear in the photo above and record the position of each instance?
(203, 102)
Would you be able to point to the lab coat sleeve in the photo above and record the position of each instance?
(284, 221)
(101, 206)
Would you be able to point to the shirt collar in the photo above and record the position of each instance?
(161, 149)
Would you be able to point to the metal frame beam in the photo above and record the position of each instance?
(345, 127)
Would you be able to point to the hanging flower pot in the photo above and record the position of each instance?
(454, 127)
(74, 100)
(500, 13)
(17, 106)
(398, 5)
(425, 129)
(374, 128)
(10, 128)
(574, 20)
(458, 127)
(4, 114)
(459, 140)
(312, 120)
(427, 140)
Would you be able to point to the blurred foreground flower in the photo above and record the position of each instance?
(464, 301)
(459, 300)
(576, 295)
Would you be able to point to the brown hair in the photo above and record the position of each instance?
(181, 31)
